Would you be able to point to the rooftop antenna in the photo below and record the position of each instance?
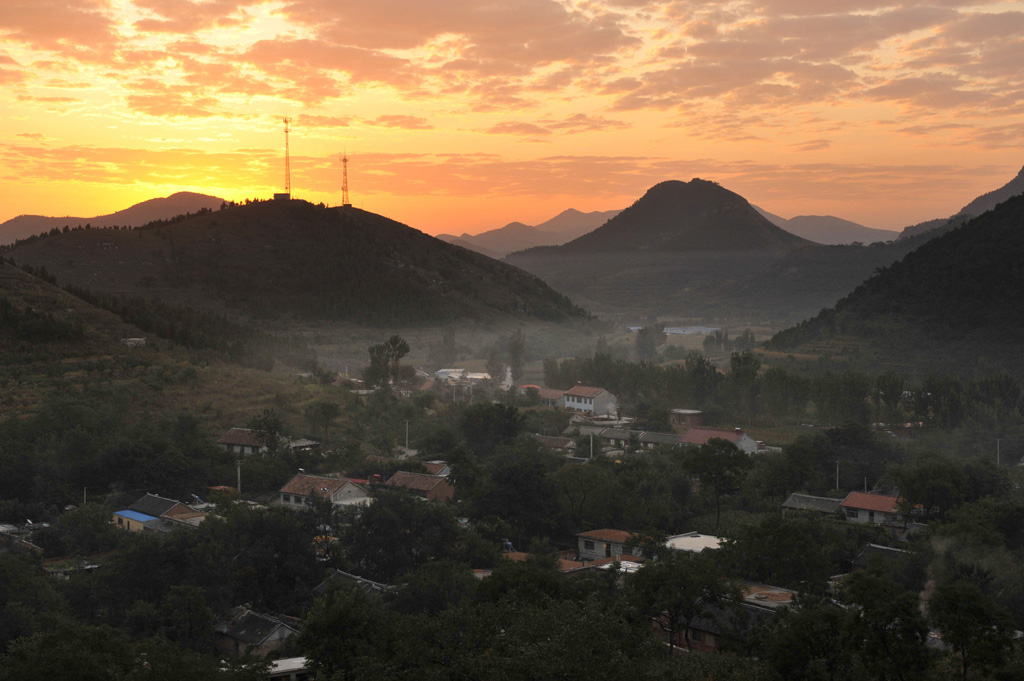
(344, 181)
(287, 158)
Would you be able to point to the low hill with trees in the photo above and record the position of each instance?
(953, 300)
(294, 259)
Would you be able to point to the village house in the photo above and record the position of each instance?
(157, 514)
(245, 441)
(685, 418)
(736, 621)
(440, 468)
(590, 400)
(298, 492)
(880, 509)
(430, 487)
(562, 445)
(797, 503)
(247, 632)
(290, 669)
(701, 436)
(606, 543)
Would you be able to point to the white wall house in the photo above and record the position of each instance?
(591, 400)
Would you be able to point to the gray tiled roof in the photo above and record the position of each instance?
(805, 502)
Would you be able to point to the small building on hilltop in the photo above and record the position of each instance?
(694, 542)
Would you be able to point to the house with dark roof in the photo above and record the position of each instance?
(880, 509)
(339, 577)
(562, 445)
(806, 502)
(298, 492)
(701, 436)
(157, 514)
(685, 418)
(430, 487)
(242, 441)
(245, 441)
(590, 400)
(735, 621)
(247, 632)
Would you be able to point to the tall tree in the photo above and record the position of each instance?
(979, 630)
(720, 466)
(678, 588)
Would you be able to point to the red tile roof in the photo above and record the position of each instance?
(308, 485)
(240, 436)
(700, 436)
(870, 502)
(584, 391)
(616, 536)
(420, 482)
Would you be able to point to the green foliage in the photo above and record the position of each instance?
(485, 426)
(30, 325)
(977, 628)
(719, 465)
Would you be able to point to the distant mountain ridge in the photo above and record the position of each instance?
(516, 236)
(281, 259)
(828, 229)
(143, 213)
(976, 207)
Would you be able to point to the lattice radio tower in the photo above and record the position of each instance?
(344, 181)
(287, 157)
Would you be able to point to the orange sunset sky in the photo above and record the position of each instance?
(462, 115)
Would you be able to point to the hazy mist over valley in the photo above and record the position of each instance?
(468, 340)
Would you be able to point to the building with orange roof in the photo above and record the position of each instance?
(880, 509)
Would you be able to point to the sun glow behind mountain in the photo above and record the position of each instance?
(464, 114)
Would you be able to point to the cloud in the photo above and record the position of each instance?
(313, 121)
(813, 145)
(82, 29)
(400, 121)
(517, 128)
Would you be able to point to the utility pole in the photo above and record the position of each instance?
(238, 470)
(837, 474)
(85, 498)
(591, 446)
(407, 433)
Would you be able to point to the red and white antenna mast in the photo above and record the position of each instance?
(287, 157)
(344, 180)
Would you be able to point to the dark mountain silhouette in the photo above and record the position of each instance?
(686, 216)
(673, 251)
(516, 236)
(281, 259)
(952, 300)
(143, 213)
(828, 229)
(979, 205)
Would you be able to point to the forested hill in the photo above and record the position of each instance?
(274, 259)
(686, 216)
(958, 296)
